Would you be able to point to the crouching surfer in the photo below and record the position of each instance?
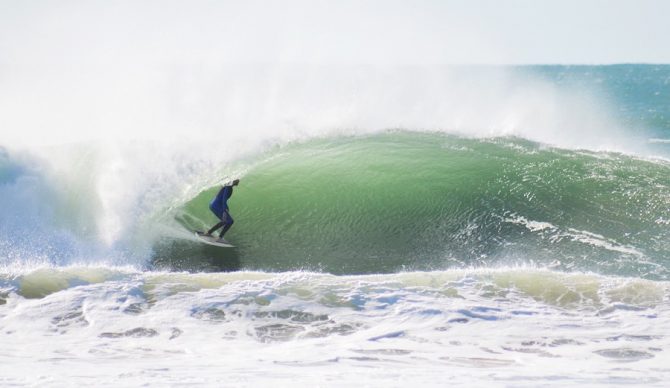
(219, 206)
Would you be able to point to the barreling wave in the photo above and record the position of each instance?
(400, 201)
(497, 167)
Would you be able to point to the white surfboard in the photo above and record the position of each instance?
(212, 240)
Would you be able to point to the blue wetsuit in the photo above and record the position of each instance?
(219, 206)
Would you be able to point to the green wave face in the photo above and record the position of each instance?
(421, 201)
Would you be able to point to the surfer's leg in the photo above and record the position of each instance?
(228, 221)
(215, 227)
(225, 229)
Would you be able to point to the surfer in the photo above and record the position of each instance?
(219, 206)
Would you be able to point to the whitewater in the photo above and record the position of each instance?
(425, 225)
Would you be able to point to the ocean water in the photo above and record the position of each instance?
(498, 226)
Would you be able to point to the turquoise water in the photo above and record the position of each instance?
(639, 92)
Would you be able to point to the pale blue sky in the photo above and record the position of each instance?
(373, 32)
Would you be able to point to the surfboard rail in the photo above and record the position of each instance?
(211, 240)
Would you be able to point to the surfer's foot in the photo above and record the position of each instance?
(222, 240)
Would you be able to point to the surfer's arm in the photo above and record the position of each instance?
(231, 184)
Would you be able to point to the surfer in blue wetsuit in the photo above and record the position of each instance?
(219, 206)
